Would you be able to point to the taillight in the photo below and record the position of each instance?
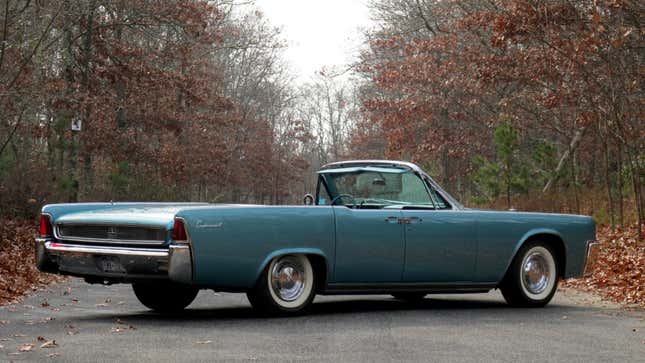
(46, 229)
(179, 230)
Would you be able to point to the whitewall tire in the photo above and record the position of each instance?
(286, 286)
(532, 278)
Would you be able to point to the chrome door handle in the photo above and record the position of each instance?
(393, 220)
(411, 220)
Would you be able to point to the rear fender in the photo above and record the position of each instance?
(291, 251)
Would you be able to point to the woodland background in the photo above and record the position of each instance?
(533, 105)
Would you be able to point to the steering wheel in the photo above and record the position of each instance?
(341, 196)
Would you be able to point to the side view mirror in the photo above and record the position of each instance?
(308, 199)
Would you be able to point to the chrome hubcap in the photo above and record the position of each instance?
(288, 278)
(536, 273)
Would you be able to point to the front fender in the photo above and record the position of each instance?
(531, 233)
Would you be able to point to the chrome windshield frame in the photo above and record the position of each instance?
(454, 204)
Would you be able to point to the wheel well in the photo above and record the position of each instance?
(319, 266)
(556, 244)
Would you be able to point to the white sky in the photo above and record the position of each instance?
(320, 33)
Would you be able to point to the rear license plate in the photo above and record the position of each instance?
(110, 264)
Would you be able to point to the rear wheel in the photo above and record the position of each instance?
(285, 287)
(165, 297)
(532, 278)
(409, 296)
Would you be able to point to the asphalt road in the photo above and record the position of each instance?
(106, 323)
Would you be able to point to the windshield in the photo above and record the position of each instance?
(378, 187)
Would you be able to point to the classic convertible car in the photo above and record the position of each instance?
(373, 227)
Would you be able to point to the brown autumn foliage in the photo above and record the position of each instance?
(177, 100)
(620, 273)
(18, 273)
(512, 97)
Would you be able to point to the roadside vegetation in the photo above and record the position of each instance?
(531, 105)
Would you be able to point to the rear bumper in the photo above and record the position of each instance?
(591, 257)
(126, 264)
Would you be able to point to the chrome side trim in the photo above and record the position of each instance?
(591, 257)
(55, 248)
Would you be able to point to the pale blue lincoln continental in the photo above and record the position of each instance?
(373, 227)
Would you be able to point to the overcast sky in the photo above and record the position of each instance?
(320, 33)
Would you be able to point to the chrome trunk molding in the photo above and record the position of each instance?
(64, 248)
(151, 242)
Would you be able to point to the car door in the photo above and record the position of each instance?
(440, 246)
(369, 245)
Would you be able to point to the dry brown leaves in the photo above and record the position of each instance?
(620, 272)
(18, 272)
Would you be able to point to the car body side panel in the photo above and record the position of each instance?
(231, 245)
(370, 245)
(501, 234)
(440, 246)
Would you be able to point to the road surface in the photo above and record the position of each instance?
(94, 323)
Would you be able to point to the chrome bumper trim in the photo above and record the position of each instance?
(101, 250)
(180, 268)
(591, 257)
(174, 263)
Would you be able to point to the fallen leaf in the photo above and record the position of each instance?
(119, 321)
(44, 304)
(67, 291)
(74, 300)
(72, 332)
(101, 305)
(70, 326)
(26, 347)
(19, 335)
(120, 329)
(41, 339)
(203, 341)
(52, 355)
(564, 317)
(4, 322)
(49, 344)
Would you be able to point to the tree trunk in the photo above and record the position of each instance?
(575, 141)
(610, 198)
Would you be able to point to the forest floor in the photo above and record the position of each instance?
(619, 276)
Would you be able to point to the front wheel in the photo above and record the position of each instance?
(165, 297)
(286, 286)
(532, 278)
